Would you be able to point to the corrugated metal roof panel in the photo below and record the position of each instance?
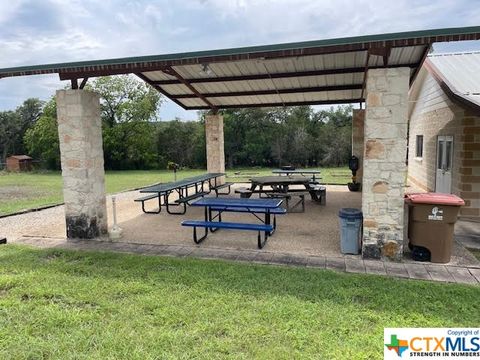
(462, 72)
(239, 80)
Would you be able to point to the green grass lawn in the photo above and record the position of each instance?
(21, 191)
(58, 304)
(475, 252)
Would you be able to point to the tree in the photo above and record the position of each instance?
(178, 142)
(128, 107)
(10, 126)
(126, 99)
(41, 140)
(29, 112)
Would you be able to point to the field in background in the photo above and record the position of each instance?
(21, 191)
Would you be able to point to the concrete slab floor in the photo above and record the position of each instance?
(313, 234)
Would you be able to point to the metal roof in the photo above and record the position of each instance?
(313, 72)
(460, 72)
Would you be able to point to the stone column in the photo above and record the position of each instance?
(214, 143)
(81, 149)
(358, 120)
(384, 171)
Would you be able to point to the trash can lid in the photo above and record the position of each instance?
(350, 213)
(434, 199)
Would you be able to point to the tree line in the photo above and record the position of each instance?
(135, 138)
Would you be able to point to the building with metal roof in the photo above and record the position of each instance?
(375, 70)
(444, 116)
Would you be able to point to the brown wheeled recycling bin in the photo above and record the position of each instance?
(432, 218)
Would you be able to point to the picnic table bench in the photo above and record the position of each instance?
(183, 188)
(267, 207)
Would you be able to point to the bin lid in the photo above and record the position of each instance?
(434, 199)
(350, 213)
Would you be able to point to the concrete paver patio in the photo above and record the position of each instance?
(444, 273)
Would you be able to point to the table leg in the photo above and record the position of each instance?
(268, 216)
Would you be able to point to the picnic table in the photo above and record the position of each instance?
(281, 186)
(297, 172)
(214, 207)
(187, 190)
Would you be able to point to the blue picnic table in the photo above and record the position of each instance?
(214, 207)
(187, 190)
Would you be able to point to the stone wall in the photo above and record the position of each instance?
(80, 135)
(215, 144)
(358, 122)
(384, 171)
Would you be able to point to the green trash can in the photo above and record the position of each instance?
(351, 221)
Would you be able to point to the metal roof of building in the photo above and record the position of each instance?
(460, 72)
(313, 72)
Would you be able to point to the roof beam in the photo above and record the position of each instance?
(383, 51)
(420, 63)
(273, 91)
(295, 103)
(263, 76)
(160, 90)
(272, 76)
(170, 71)
(83, 83)
(107, 70)
(364, 83)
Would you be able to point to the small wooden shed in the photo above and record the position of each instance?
(19, 163)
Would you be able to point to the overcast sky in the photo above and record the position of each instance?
(46, 31)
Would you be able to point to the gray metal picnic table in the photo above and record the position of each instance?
(182, 188)
(280, 186)
(278, 183)
(297, 172)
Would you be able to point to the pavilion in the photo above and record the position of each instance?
(375, 70)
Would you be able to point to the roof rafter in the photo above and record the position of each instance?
(295, 103)
(272, 91)
(159, 89)
(170, 71)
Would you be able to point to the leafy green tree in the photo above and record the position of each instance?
(126, 99)
(10, 126)
(128, 106)
(29, 112)
(41, 140)
(178, 142)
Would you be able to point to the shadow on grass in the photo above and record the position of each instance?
(446, 304)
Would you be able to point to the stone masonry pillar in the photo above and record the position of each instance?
(384, 168)
(214, 143)
(358, 121)
(81, 149)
